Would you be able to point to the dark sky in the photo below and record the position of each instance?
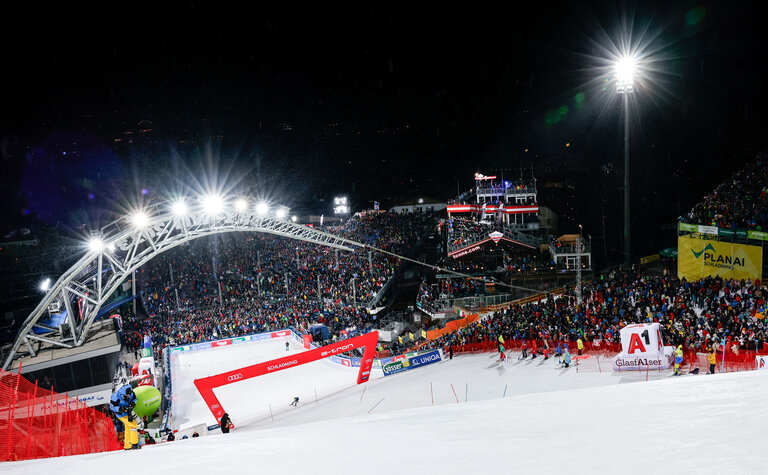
(382, 101)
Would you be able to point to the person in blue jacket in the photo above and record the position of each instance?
(122, 403)
(566, 356)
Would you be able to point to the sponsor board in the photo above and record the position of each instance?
(761, 362)
(425, 359)
(200, 346)
(218, 343)
(700, 258)
(393, 368)
(281, 333)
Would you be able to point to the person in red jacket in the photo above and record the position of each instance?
(534, 349)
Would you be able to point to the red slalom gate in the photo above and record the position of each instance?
(207, 385)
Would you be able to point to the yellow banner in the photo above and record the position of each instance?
(649, 259)
(699, 258)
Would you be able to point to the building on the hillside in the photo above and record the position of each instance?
(513, 203)
(419, 205)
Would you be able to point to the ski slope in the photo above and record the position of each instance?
(550, 420)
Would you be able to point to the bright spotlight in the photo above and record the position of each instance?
(625, 70)
(294, 218)
(179, 208)
(213, 204)
(111, 247)
(262, 208)
(96, 244)
(45, 285)
(140, 219)
(280, 213)
(241, 205)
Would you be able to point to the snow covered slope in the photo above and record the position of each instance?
(551, 421)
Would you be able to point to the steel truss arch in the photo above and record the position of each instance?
(123, 247)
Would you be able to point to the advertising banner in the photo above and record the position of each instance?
(761, 362)
(218, 343)
(699, 258)
(200, 346)
(307, 340)
(425, 359)
(393, 368)
(691, 228)
(759, 235)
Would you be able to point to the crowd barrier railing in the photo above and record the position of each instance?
(38, 423)
(728, 362)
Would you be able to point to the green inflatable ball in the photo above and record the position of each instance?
(148, 399)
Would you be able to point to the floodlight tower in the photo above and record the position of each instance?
(625, 69)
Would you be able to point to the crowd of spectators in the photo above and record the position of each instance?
(741, 201)
(429, 295)
(235, 284)
(693, 314)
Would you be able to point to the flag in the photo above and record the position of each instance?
(400, 339)
(410, 335)
(423, 334)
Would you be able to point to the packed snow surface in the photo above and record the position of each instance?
(465, 415)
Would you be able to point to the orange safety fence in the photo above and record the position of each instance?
(38, 423)
(452, 326)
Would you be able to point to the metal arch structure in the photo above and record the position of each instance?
(124, 248)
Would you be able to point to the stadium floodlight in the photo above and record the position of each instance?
(111, 247)
(45, 285)
(294, 218)
(280, 213)
(179, 208)
(262, 208)
(95, 244)
(241, 205)
(625, 70)
(213, 204)
(140, 219)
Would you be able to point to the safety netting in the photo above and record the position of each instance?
(39, 423)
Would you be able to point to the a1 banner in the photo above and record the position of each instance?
(761, 362)
(307, 340)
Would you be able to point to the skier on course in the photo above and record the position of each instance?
(286, 346)
(295, 402)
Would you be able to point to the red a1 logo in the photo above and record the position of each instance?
(635, 344)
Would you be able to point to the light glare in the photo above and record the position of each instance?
(179, 208)
(96, 244)
(241, 205)
(262, 208)
(213, 204)
(140, 219)
(45, 285)
(280, 213)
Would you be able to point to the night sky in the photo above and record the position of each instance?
(387, 102)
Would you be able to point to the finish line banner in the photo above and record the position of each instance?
(699, 258)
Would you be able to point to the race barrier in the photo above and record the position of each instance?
(38, 423)
(206, 385)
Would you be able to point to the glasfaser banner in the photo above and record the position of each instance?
(699, 258)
